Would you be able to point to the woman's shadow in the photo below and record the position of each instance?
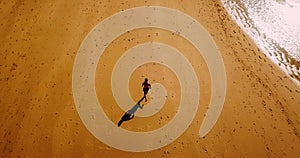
(130, 113)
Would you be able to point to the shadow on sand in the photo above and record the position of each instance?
(130, 113)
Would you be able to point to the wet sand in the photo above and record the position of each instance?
(38, 46)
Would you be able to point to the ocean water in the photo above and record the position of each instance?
(274, 25)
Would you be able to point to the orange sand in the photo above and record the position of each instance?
(38, 45)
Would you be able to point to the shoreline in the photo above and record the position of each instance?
(279, 55)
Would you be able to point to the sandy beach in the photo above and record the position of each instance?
(39, 42)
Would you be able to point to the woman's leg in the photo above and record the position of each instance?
(145, 93)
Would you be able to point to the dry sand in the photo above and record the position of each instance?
(38, 45)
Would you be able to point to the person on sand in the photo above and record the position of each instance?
(146, 86)
(130, 113)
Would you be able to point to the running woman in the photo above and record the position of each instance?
(146, 86)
